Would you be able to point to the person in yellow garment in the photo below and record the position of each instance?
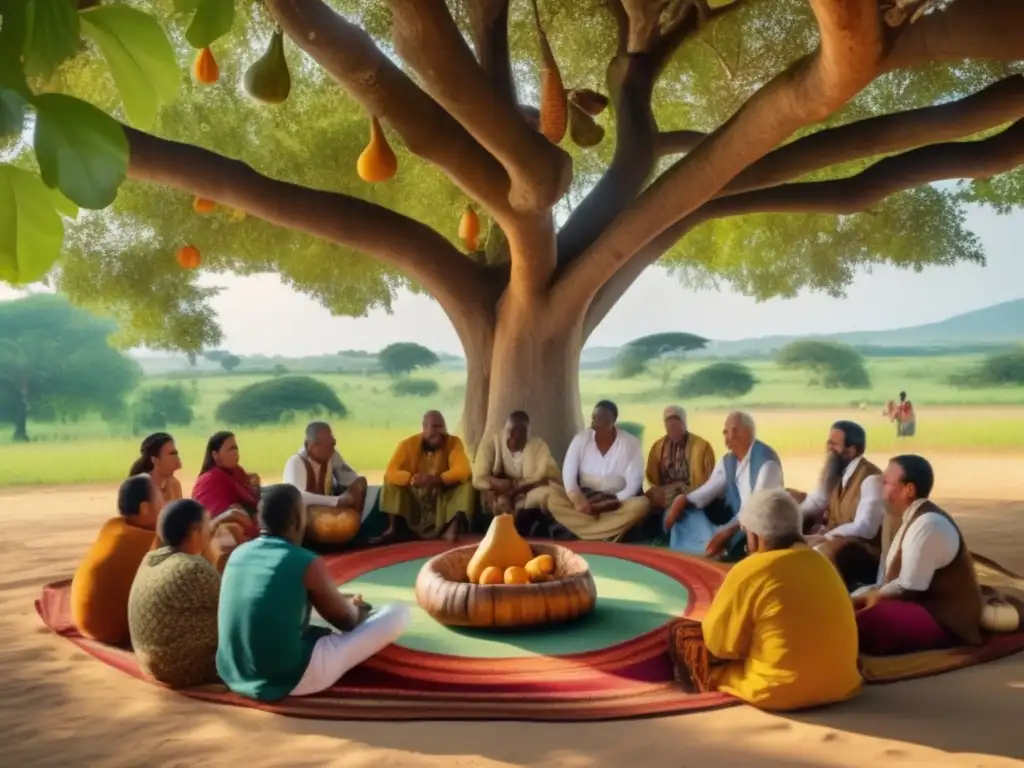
(428, 485)
(781, 632)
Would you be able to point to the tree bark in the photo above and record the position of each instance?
(21, 415)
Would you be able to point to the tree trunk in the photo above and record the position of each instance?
(21, 417)
(529, 362)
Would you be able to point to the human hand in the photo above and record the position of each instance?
(869, 600)
(501, 484)
(658, 497)
(675, 511)
(716, 546)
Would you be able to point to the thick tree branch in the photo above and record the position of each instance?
(678, 142)
(411, 247)
(489, 19)
(846, 60)
(350, 56)
(937, 162)
(982, 29)
(428, 40)
(999, 103)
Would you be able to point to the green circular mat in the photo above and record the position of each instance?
(632, 599)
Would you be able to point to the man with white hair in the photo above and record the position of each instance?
(761, 639)
(705, 521)
(677, 463)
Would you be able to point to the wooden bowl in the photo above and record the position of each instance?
(331, 525)
(443, 591)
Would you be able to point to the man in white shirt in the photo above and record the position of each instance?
(705, 521)
(927, 594)
(844, 513)
(603, 476)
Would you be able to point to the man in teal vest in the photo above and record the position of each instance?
(705, 521)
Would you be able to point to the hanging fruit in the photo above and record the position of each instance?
(205, 68)
(591, 102)
(553, 117)
(188, 257)
(267, 80)
(584, 132)
(203, 205)
(469, 229)
(377, 162)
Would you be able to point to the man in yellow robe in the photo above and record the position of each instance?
(677, 463)
(513, 470)
(428, 485)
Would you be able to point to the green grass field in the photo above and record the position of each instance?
(791, 416)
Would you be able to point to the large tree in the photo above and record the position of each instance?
(746, 138)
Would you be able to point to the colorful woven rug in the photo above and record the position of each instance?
(611, 664)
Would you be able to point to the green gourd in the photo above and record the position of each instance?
(268, 79)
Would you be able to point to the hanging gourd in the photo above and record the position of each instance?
(188, 257)
(267, 80)
(584, 132)
(377, 162)
(553, 116)
(203, 205)
(469, 230)
(205, 68)
(591, 102)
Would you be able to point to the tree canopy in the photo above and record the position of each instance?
(660, 351)
(723, 379)
(405, 357)
(280, 399)
(835, 365)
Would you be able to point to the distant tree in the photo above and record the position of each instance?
(230, 362)
(280, 370)
(56, 363)
(273, 400)
(414, 387)
(160, 407)
(215, 355)
(717, 380)
(837, 366)
(1001, 369)
(633, 428)
(659, 352)
(405, 357)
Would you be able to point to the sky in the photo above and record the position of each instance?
(877, 300)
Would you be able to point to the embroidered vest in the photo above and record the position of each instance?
(759, 454)
(842, 506)
(954, 597)
(313, 485)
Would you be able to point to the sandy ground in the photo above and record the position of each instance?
(59, 707)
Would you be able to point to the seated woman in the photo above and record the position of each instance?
(103, 581)
(223, 485)
(172, 608)
(780, 634)
(266, 648)
(158, 458)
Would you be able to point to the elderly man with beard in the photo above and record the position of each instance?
(845, 513)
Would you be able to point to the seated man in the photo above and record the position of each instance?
(172, 608)
(927, 595)
(603, 475)
(705, 521)
(677, 463)
(326, 480)
(266, 648)
(103, 581)
(428, 484)
(845, 513)
(780, 634)
(513, 470)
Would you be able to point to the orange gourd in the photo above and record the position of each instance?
(205, 68)
(377, 162)
(188, 257)
(540, 567)
(516, 575)
(554, 116)
(203, 205)
(502, 547)
(492, 575)
(469, 229)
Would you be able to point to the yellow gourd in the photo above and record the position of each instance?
(469, 229)
(539, 567)
(553, 115)
(502, 547)
(377, 162)
(516, 575)
(205, 68)
(492, 575)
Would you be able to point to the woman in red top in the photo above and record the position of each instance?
(223, 484)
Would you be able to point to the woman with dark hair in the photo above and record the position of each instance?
(158, 458)
(223, 485)
(172, 608)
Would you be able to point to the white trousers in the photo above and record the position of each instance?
(336, 654)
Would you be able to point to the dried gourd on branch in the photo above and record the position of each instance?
(591, 102)
(204, 68)
(553, 111)
(584, 132)
(469, 229)
(377, 162)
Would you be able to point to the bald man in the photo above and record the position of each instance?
(428, 486)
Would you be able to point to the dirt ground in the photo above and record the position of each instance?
(60, 707)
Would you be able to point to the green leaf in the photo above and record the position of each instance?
(213, 20)
(52, 35)
(185, 6)
(140, 57)
(31, 232)
(81, 150)
(64, 206)
(12, 31)
(12, 112)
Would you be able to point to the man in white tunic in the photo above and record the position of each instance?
(603, 475)
(705, 521)
(514, 470)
